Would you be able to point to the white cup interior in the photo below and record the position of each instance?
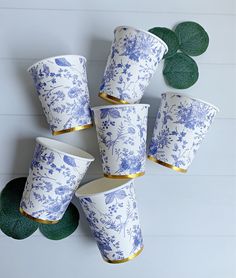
(100, 186)
(64, 148)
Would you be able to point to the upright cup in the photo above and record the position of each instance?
(121, 132)
(55, 173)
(61, 84)
(133, 59)
(111, 210)
(181, 124)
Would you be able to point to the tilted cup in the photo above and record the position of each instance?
(61, 84)
(111, 210)
(54, 175)
(133, 59)
(121, 132)
(181, 124)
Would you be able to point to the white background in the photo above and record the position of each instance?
(189, 220)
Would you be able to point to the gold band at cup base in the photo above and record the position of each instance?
(112, 99)
(124, 260)
(181, 170)
(131, 176)
(37, 219)
(72, 129)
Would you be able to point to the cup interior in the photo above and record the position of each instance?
(102, 185)
(64, 148)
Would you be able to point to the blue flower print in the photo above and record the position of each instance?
(62, 87)
(180, 127)
(114, 221)
(133, 59)
(73, 92)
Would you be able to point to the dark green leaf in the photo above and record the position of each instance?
(65, 227)
(17, 228)
(169, 37)
(12, 223)
(11, 196)
(180, 71)
(193, 39)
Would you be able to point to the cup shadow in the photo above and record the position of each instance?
(24, 149)
(96, 66)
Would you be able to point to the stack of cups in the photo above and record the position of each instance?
(109, 203)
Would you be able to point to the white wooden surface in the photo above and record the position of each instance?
(189, 220)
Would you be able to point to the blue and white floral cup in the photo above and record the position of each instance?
(55, 173)
(181, 124)
(134, 58)
(121, 132)
(61, 84)
(111, 210)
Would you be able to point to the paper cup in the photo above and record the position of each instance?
(133, 59)
(55, 173)
(61, 84)
(121, 132)
(111, 210)
(181, 124)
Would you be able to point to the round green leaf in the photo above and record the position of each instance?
(65, 227)
(12, 223)
(17, 228)
(169, 37)
(11, 196)
(193, 39)
(180, 71)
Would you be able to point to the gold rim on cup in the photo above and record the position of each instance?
(71, 129)
(37, 219)
(112, 99)
(124, 260)
(181, 170)
(131, 176)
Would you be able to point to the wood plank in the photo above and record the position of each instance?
(166, 257)
(150, 6)
(91, 35)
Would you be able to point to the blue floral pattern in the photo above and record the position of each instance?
(133, 59)
(61, 84)
(52, 181)
(121, 132)
(114, 221)
(180, 127)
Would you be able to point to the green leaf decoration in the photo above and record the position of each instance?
(169, 37)
(17, 228)
(11, 196)
(12, 223)
(65, 227)
(180, 71)
(193, 39)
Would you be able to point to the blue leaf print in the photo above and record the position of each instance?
(110, 198)
(120, 194)
(114, 113)
(62, 62)
(69, 160)
(104, 113)
(87, 199)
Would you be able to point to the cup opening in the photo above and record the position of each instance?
(100, 186)
(193, 98)
(146, 32)
(118, 106)
(64, 148)
(55, 57)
